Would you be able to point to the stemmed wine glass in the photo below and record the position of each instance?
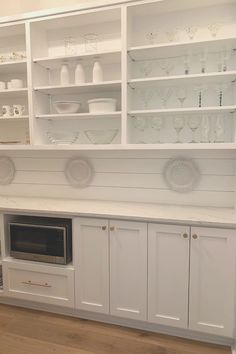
(200, 89)
(203, 61)
(220, 90)
(145, 95)
(186, 64)
(223, 60)
(146, 68)
(157, 123)
(214, 28)
(140, 123)
(193, 123)
(178, 123)
(164, 93)
(191, 31)
(166, 65)
(181, 94)
(220, 129)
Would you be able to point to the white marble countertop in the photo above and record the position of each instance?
(221, 217)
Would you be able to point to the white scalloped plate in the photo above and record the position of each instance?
(79, 172)
(181, 175)
(7, 170)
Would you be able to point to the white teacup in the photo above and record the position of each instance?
(7, 111)
(2, 85)
(18, 110)
(16, 83)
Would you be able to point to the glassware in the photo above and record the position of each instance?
(91, 42)
(178, 123)
(186, 64)
(193, 123)
(200, 89)
(220, 90)
(223, 59)
(191, 31)
(205, 129)
(166, 65)
(146, 68)
(171, 35)
(214, 28)
(151, 37)
(181, 94)
(145, 96)
(220, 129)
(203, 61)
(140, 123)
(164, 93)
(157, 124)
(70, 45)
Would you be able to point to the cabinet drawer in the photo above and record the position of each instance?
(52, 285)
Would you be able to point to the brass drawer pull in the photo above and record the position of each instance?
(104, 228)
(112, 228)
(185, 235)
(194, 236)
(29, 282)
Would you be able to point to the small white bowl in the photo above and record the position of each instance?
(67, 107)
(102, 105)
(101, 136)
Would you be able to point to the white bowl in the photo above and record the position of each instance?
(101, 136)
(62, 138)
(67, 107)
(102, 105)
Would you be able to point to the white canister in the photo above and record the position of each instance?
(2, 85)
(64, 75)
(79, 74)
(97, 72)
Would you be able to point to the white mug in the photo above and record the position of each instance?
(18, 110)
(2, 85)
(16, 83)
(7, 111)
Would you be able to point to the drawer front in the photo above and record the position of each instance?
(52, 286)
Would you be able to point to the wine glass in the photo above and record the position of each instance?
(171, 35)
(166, 66)
(151, 37)
(220, 90)
(223, 58)
(157, 124)
(191, 31)
(181, 94)
(69, 45)
(146, 68)
(203, 61)
(193, 123)
(220, 129)
(214, 28)
(140, 123)
(145, 96)
(200, 89)
(205, 129)
(164, 93)
(186, 64)
(178, 123)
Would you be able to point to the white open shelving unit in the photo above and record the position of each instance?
(133, 57)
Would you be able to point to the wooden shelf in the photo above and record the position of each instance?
(150, 112)
(79, 116)
(86, 88)
(215, 77)
(107, 57)
(174, 49)
(21, 92)
(17, 66)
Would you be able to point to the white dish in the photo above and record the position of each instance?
(7, 170)
(102, 105)
(67, 107)
(79, 172)
(62, 137)
(101, 136)
(181, 175)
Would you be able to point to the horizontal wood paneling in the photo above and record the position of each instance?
(128, 176)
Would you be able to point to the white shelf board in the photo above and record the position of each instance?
(214, 77)
(106, 57)
(13, 119)
(114, 85)
(14, 92)
(174, 49)
(17, 66)
(79, 115)
(150, 112)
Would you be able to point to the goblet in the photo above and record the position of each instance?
(203, 61)
(181, 94)
(205, 129)
(220, 129)
(157, 123)
(145, 96)
(146, 68)
(186, 64)
(220, 90)
(191, 31)
(200, 89)
(140, 123)
(193, 123)
(151, 37)
(166, 65)
(178, 123)
(164, 93)
(214, 28)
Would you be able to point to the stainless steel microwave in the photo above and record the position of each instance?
(42, 239)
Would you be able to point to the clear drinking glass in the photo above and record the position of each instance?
(70, 45)
(145, 95)
(178, 123)
(214, 28)
(200, 89)
(91, 42)
(157, 124)
(220, 129)
(203, 61)
(186, 64)
(193, 123)
(146, 68)
(164, 93)
(191, 31)
(166, 65)
(181, 94)
(220, 90)
(140, 123)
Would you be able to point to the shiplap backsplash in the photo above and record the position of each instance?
(124, 176)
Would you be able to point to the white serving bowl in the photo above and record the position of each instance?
(67, 107)
(101, 136)
(102, 105)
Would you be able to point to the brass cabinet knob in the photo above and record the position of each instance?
(185, 235)
(104, 228)
(112, 228)
(194, 236)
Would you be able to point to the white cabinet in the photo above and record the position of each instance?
(212, 281)
(168, 273)
(91, 257)
(128, 269)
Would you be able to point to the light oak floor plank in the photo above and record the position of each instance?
(24, 331)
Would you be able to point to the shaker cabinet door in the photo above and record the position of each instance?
(128, 269)
(212, 280)
(168, 274)
(91, 256)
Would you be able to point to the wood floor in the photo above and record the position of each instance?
(33, 332)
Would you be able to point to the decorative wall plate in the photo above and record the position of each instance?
(181, 175)
(7, 170)
(79, 172)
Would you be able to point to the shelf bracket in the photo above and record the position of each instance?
(130, 56)
(132, 88)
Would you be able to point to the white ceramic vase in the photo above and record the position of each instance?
(97, 72)
(79, 74)
(64, 75)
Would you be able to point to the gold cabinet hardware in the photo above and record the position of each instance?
(112, 228)
(194, 236)
(29, 282)
(104, 228)
(185, 235)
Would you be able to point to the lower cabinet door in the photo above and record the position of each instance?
(39, 283)
(128, 269)
(212, 281)
(168, 274)
(91, 259)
